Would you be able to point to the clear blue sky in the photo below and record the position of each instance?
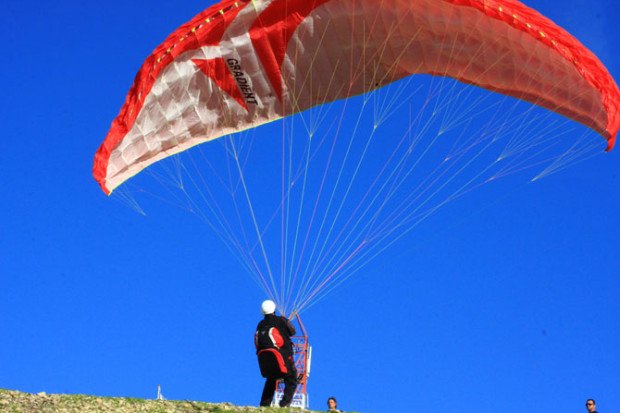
(510, 307)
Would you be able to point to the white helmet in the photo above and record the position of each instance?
(268, 307)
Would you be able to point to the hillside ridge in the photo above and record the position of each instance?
(12, 401)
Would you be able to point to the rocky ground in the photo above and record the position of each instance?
(18, 402)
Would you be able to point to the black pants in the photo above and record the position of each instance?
(290, 385)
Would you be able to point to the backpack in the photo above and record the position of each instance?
(268, 337)
(268, 341)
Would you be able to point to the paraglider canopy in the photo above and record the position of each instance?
(240, 64)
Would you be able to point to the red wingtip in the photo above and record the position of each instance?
(611, 142)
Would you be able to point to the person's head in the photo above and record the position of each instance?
(591, 405)
(332, 403)
(268, 307)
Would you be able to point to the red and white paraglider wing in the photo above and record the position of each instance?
(243, 63)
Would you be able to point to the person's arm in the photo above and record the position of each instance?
(290, 327)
